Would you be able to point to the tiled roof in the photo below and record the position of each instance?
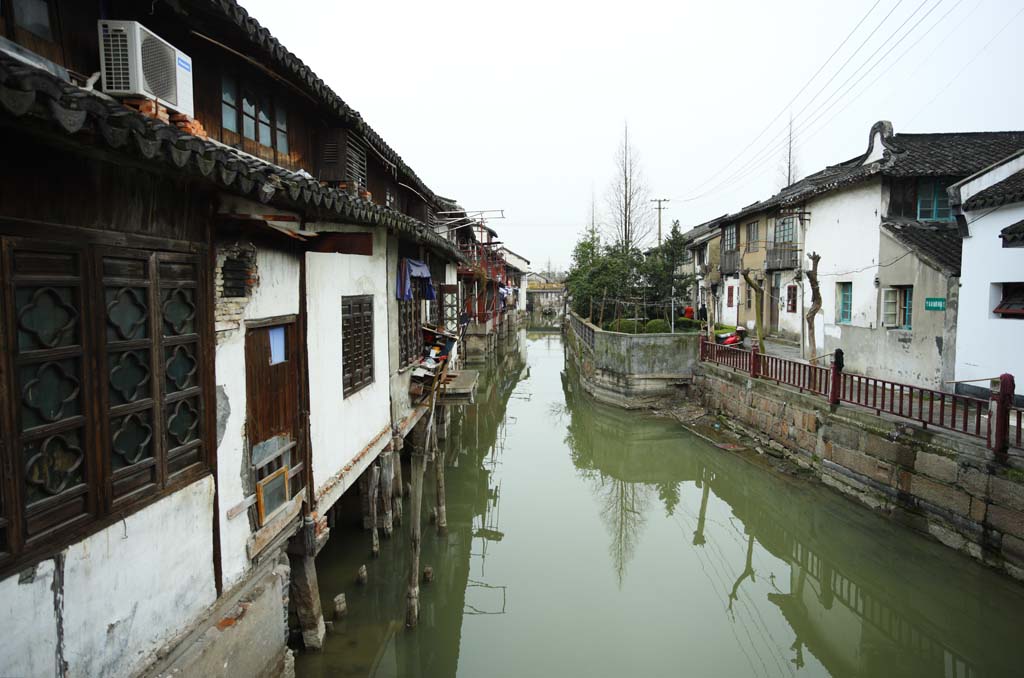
(1010, 189)
(1013, 235)
(954, 154)
(938, 243)
(283, 59)
(33, 95)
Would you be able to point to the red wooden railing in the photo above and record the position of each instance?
(995, 420)
(961, 413)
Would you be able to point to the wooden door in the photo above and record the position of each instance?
(272, 408)
(774, 301)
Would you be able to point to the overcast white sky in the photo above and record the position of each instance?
(520, 105)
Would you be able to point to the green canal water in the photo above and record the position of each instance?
(587, 541)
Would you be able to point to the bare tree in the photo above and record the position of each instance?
(812, 278)
(758, 308)
(629, 207)
(788, 170)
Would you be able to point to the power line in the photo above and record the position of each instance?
(967, 65)
(774, 146)
(790, 103)
(757, 156)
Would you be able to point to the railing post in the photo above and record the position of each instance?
(755, 362)
(1003, 398)
(700, 352)
(836, 385)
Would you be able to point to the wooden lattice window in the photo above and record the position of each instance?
(104, 347)
(356, 342)
(410, 334)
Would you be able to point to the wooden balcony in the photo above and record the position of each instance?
(730, 262)
(783, 255)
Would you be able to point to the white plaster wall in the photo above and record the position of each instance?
(128, 590)
(844, 229)
(276, 293)
(126, 597)
(790, 323)
(730, 314)
(988, 345)
(341, 427)
(28, 644)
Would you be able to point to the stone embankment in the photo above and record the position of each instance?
(939, 483)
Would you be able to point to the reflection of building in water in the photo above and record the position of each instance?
(473, 454)
(860, 608)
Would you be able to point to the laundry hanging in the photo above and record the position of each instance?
(407, 270)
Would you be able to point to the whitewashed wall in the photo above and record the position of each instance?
(730, 314)
(844, 229)
(127, 591)
(276, 293)
(340, 427)
(987, 344)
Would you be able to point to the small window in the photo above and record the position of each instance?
(263, 117)
(356, 342)
(281, 124)
(277, 344)
(687, 256)
(34, 17)
(932, 200)
(229, 104)
(730, 290)
(785, 230)
(750, 297)
(729, 239)
(791, 299)
(1011, 301)
(753, 236)
(897, 306)
(248, 116)
(844, 302)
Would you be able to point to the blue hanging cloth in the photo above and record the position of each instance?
(407, 270)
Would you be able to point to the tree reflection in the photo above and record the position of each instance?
(623, 507)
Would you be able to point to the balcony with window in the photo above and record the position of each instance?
(784, 250)
(730, 258)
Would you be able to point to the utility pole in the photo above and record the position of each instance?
(660, 208)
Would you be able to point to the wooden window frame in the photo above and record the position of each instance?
(785, 231)
(729, 238)
(51, 49)
(357, 338)
(264, 104)
(729, 295)
(1011, 301)
(109, 488)
(753, 236)
(410, 326)
(261, 507)
(841, 305)
(898, 307)
(937, 201)
(791, 294)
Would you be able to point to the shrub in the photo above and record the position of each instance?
(625, 326)
(687, 324)
(657, 326)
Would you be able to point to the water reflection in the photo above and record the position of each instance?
(585, 540)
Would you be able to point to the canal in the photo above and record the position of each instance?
(588, 541)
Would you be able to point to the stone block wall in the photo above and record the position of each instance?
(939, 483)
(632, 370)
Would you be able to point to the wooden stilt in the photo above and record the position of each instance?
(387, 484)
(305, 596)
(412, 608)
(374, 490)
(442, 513)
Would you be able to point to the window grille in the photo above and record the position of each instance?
(356, 342)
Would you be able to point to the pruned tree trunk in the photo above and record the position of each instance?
(759, 308)
(812, 278)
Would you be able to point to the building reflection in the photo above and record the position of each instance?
(858, 609)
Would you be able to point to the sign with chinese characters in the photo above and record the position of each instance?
(934, 304)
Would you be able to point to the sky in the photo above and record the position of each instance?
(521, 106)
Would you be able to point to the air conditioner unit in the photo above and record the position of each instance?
(136, 62)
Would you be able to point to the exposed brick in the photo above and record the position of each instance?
(936, 466)
(978, 508)
(897, 453)
(863, 464)
(845, 436)
(941, 494)
(1006, 493)
(974, 481)
(1006, 520)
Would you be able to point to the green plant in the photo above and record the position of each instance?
(687, 324)
(657, 326)
(626, 326)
